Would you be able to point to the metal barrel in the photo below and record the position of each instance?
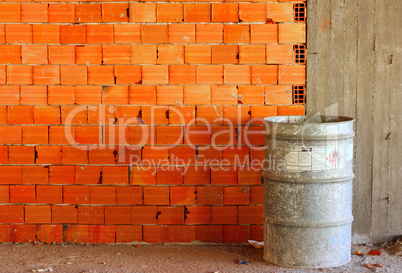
(308, 175)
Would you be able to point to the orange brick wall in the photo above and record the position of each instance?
(140, 122)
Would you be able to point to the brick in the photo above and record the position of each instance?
(19, 74)
(236, 196)
(116, 54)
(18, 34)
(143, 54)
(292, 33)
(60, 95)
(210, 234)
(73, 34)
(50, 233)
(179, 33)
(45, 34)
(89, 54)
(64, 214)
(88, 135)
(225, 12)
(181, 114)
(129, 195)
(21, 154)
(209, 195)
(197, 176)
(252, 54)
(225, 54)
(155, 234)
(115, 95)
(23, 233)
(3, 74)
(143, 176)
(209, 33)
(22, 194)
(224, 215)
(61, 175)
(88, 95)
(264, 74)
(143, 214)
(74, 155)
(35, 174)
(32, 95)
(237, 74)
(4, 194)
(102, 156)
(197, 54)
(235, 234)
(279, 54)
(278, 94)
(197, 135)
(88, 13)
(259, 112)
(248, 176)
(74, 115)
(171, 135)
(11, 174)
(197, 94)
(88, 175)
(47, 114)
(169, 13)
(75, 195)
(10, 54)
(103, 195)
(183, 195)
(155, 114)
(61, 54)
(5, 234)
(198, 215)
(117, 215)
(115, 175)
(211, 74)
(10, 13)
(257, 195)
(20, 114)
(249, 94)
(280, 12)
(99, 34)
(252, 12)
(250, 214)
(115, 12)
(170, 54)
(11, 214)
(170, 215)
(3, 114)
(102, 234)
(263, 34)
(238, 156)
(34, 54)
(77, 234)
(252, 135)
(224, 176)
(155, 74)
(292, 74)
(128, 234)
(10, 134)
(38, 214)
(197, 12)
(237, 114)
(154, 34)
(101, 75)
(156, 195)
(142, 12)
(291, 110)
(91, 215)
(127, 34)
(182, 234)
(224, 94)
(48, 155)
(61, 13)
(45, 74)
(180, 74)
(73, 74)
(257, 232)
(234, 34)
(49, 194)
(128, 74)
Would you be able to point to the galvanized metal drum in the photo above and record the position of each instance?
(308, 174)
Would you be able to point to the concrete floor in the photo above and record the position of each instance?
(163, 258)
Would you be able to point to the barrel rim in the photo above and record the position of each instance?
(284, 120)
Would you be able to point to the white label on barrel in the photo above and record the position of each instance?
(318, 158)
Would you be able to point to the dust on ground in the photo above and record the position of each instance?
(73, 258)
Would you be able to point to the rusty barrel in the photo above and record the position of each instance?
(308, 175)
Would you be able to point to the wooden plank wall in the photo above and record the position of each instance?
(354, 69)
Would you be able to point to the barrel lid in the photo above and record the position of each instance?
(316, 119)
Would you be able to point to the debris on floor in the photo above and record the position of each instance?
(244, 261)
(256, 244)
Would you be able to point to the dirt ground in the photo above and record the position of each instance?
(165, 258)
